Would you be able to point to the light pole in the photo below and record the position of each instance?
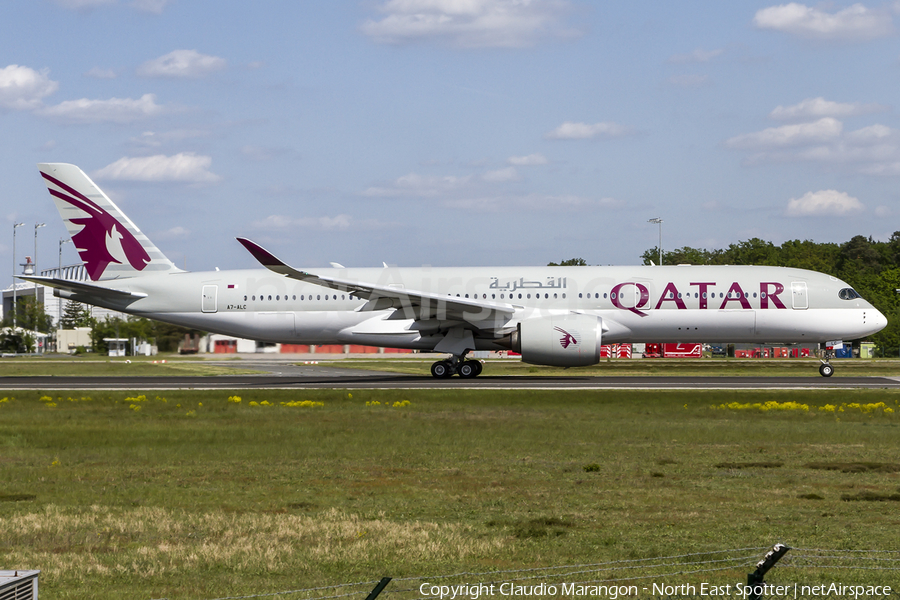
(59, 276)
(36, 227)
(658, 221)
(14, 307)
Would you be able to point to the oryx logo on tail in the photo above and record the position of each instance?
(567, 339)
(102, 239)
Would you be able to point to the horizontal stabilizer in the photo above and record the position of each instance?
(82, 288)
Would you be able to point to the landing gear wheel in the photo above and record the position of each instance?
(442, 369)
(478, 367)
(826, 370)
(468, 369)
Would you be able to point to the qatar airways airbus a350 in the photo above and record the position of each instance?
(551, 315)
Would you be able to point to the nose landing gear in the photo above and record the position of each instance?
(825, 369)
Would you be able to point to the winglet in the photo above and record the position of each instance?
(265, 258)
(272, 262)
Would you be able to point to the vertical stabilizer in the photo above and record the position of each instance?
(110, 245)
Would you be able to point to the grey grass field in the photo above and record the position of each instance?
(192, 494)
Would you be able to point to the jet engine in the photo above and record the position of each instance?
(561, 341)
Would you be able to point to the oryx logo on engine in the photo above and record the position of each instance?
(568, 339)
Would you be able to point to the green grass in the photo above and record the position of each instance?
(113, 495)
(705, 367)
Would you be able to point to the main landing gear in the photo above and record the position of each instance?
(456, 365)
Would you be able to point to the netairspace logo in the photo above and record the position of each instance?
(474, 591)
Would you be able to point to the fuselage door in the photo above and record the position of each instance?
(208, 299)
(798, 295)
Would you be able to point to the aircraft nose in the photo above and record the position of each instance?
(877, 320)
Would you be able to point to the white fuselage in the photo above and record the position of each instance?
(635, 304)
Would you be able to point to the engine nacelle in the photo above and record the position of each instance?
(559, 341)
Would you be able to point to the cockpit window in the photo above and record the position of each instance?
(848, 294)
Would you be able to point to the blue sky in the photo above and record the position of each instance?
(453, 132)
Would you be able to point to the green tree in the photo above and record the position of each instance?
(572, 262)
(859, 256)
(117, 327)
(752, 252)
(75, 315)
(165, 335)
(30, 316)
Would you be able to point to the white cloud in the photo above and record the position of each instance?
(114, 110)
(855, 22)
(182, 167)
(584, 131)
(872, 150)
(883, 211)
(182, 63)
(527, 161)
(174, 232)
(98, 73)
(423, 186)
(814, 108)
(872, 134)
(697, 56)
(789, 135)
(501, 175)
(154, 139)
(827, 203)
(338, 222)
(470, 23)
(22, 88)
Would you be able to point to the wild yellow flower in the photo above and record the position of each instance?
(401, 404)
(254, 403)
(303, 404)
(234, 399)
(764, 407)
(191, 413)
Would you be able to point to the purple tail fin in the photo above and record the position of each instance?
(109, 244)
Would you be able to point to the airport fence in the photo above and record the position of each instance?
(735, 573)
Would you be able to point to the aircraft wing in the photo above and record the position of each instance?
(83, 288)
(415, 304)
